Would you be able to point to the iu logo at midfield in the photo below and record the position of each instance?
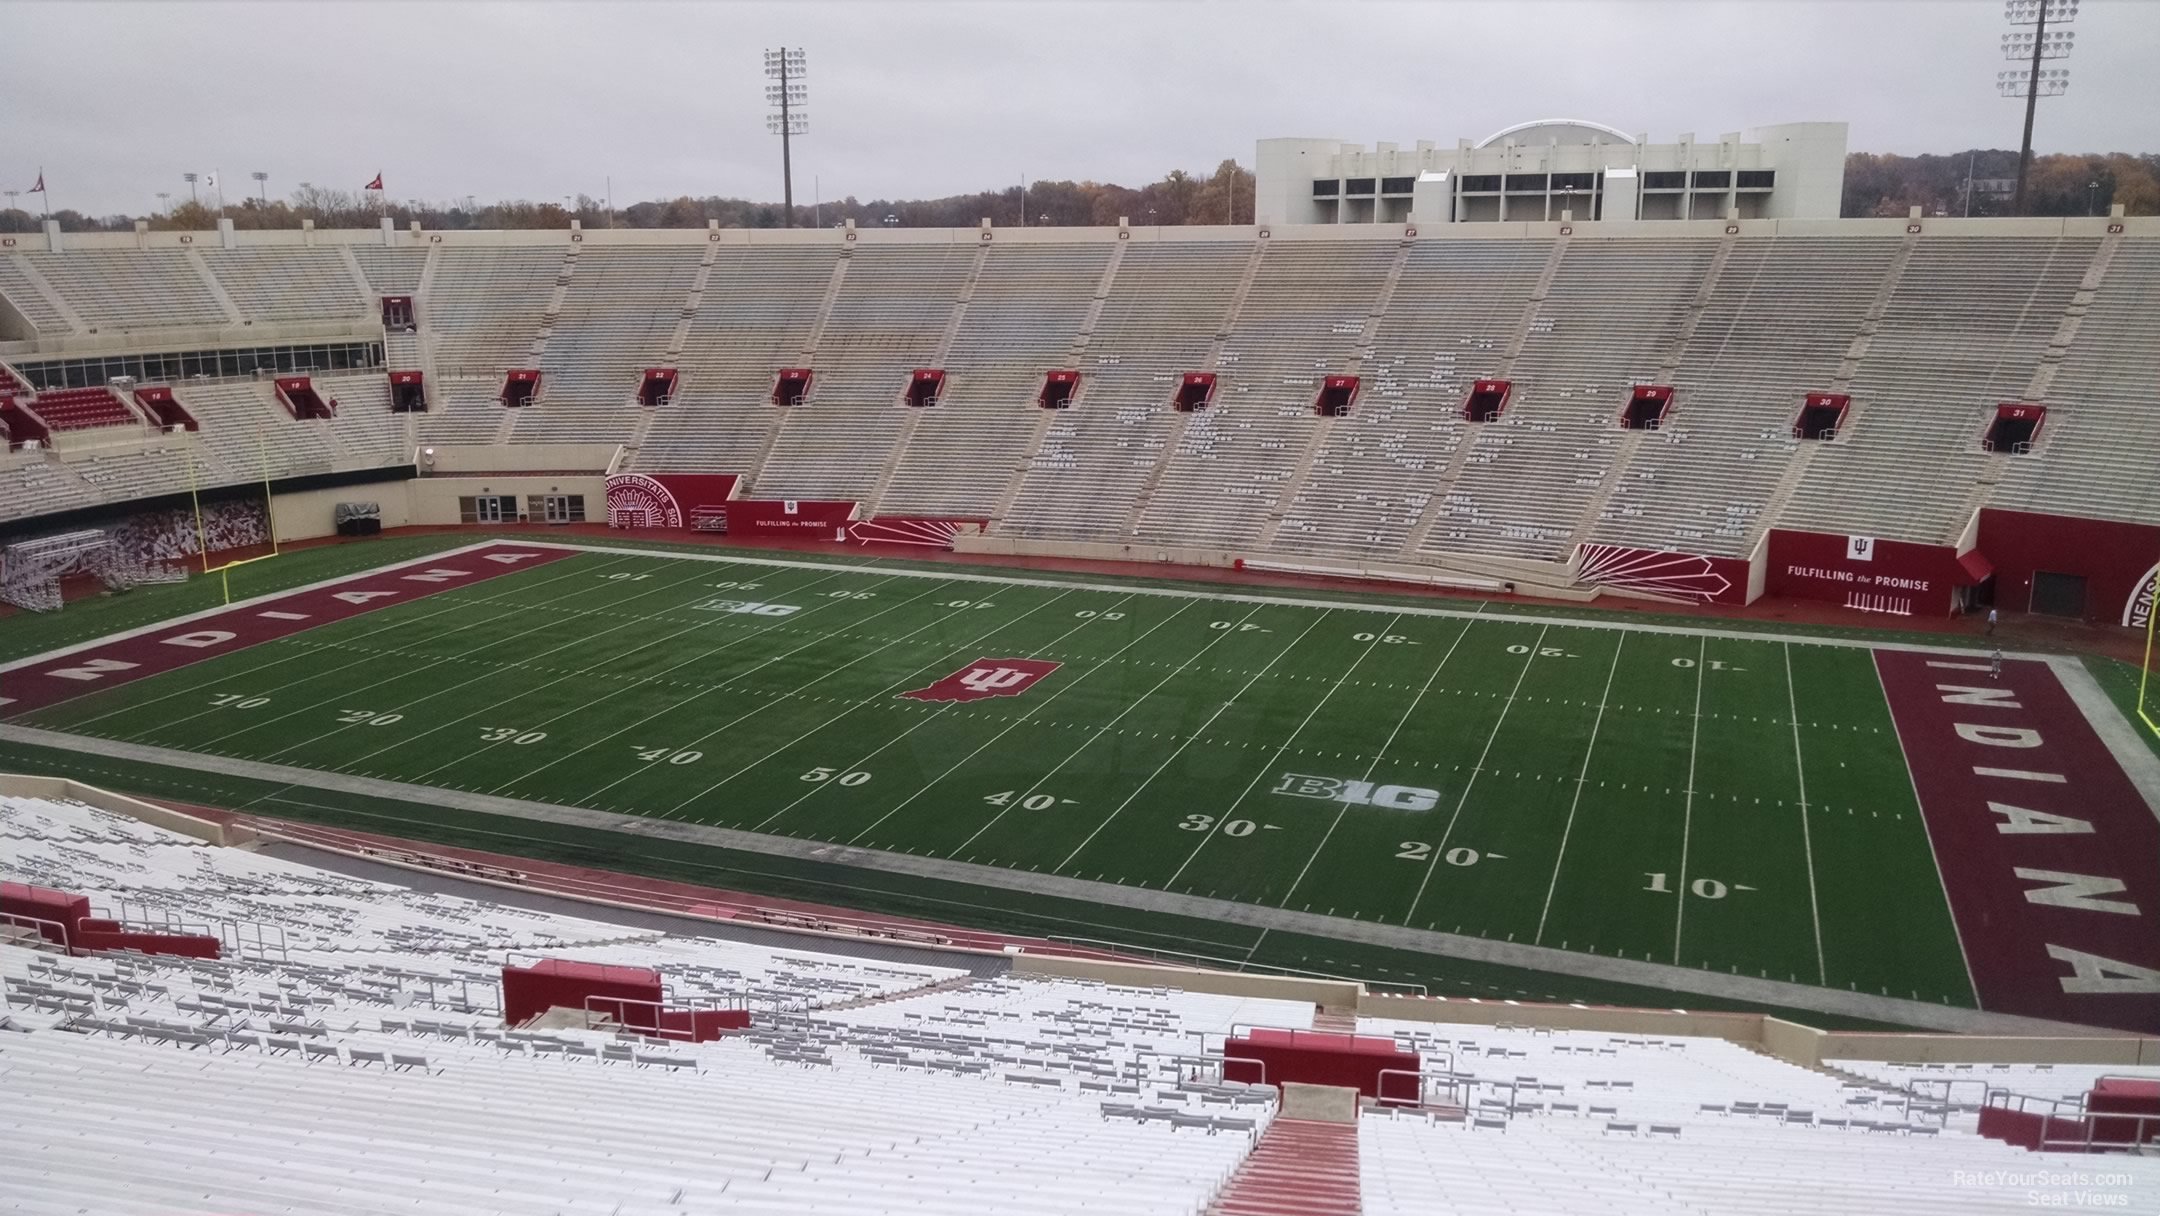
(986, 678)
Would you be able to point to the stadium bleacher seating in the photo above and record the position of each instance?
(77, 409)
(348, 1053)
(1925, 333)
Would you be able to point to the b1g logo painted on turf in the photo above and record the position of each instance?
(1358, 793)
(749, 608)
(985, 678)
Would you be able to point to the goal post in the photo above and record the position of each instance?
(202, 537)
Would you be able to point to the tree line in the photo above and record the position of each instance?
(1876, 184)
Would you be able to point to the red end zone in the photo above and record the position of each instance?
(32, 684)
(2050, 856)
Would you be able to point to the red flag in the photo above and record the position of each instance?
(40, 187)
(376, 184)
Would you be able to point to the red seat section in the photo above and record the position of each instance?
(10, 382)
(2124, 1110)
(80, 409)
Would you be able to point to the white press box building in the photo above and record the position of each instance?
(1536, 170)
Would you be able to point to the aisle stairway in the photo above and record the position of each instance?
(1299, 1168)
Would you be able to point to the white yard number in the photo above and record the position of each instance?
(1715, 664)
(1236, 827)
(626, 577)
(1544, 652)
(828, 774)
(851, 595)
(672, 757)
(1033, 802)
(1704, 888)
(1240, 626)
(967, 604)
(1418, 850)
(368, 717)
(510, 734)
(1389, 639)
(1090, 614)
(734, 585)
(238, 700)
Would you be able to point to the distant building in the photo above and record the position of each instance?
(1536, 170)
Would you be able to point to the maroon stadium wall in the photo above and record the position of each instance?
(1686, 577)
(799, 518)
(1865, 573)
(2116, 560)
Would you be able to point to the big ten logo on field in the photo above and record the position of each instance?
(1358, 793)
(749, 607)
(985, 678)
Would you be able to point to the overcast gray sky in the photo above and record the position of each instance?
(537, 100)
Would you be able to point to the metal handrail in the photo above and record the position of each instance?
(66, 939)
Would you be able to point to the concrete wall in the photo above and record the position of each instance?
(426, 501)
(1328, 994)
(22, 785)
(519, 457)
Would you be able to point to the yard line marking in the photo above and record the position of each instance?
(1941, 883)
(1807, 843)
(382, 626)
(1180, 750)
(659, 676)
(1687, 815)
(931, 784)
(1476, 770)
(1189, 741)
(1581, 779)
(321, 702)
(1734, 629)
(1036, 785)
(884, 693)
(467, 681)
(817, 640)
(1288, 740)
(1370, 769)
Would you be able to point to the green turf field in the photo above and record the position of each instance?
(1651, 792)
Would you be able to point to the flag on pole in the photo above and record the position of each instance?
(376, 184)
(210, 180)
(40, 187)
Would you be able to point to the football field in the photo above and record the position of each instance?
(1648, 791)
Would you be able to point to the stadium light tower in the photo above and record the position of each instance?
(787, 68)
(2034, 82)
(262, 185)
(191, 179)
